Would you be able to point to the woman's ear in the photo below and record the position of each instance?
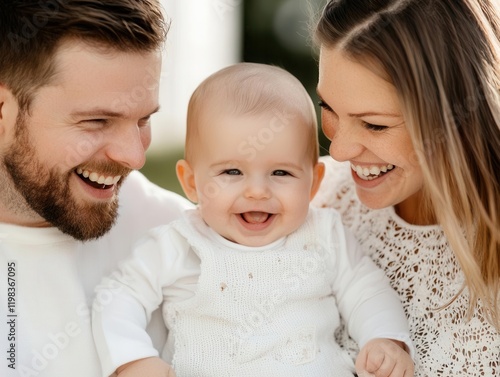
(318, 174)
(185, 175)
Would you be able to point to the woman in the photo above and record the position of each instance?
(410, 97)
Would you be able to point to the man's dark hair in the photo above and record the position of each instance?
(32, 30)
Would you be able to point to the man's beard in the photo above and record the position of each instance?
(47, 191)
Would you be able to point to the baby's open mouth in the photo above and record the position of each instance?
(255, 217)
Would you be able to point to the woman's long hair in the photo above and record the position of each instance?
(444, 59)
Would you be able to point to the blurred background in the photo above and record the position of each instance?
(206, 35)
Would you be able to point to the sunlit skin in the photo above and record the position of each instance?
(362, 116)
(251, 196)
(94, 115)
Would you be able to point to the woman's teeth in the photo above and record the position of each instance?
(372, 172)
(100, 179)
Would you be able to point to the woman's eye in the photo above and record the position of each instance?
(374, 127)
(280, 173)
(324, 105)
(232, 172)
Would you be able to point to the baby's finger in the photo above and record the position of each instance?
(365, 374)
(385, 367)
(402, 370)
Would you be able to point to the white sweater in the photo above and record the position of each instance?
(247, 311)
(52, 280)
(424, 271)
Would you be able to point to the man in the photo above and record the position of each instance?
(78, 85)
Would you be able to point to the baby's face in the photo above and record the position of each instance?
(254, 175)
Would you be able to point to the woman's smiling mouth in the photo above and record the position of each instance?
(372, 172)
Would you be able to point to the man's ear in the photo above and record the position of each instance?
(185, 175)
(8, 109)
(318, 174)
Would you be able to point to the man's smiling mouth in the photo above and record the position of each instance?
(97, 180)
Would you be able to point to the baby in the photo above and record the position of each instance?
(251, 282)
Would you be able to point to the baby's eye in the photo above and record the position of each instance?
(232, 172)
(281, 173)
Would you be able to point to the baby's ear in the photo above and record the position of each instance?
(318, 174)
(185, 175)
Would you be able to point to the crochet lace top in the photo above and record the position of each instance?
(424, 271)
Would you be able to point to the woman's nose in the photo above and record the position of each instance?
(343, 136)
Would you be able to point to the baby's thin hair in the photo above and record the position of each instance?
(252, 89)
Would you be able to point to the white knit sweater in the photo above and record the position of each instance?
(242, 311)
(424, 271)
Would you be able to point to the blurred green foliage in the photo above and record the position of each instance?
(160, 168)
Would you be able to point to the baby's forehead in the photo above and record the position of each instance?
(266, 119)
(246, 103)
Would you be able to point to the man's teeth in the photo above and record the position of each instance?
(372, 172)
(100, 179)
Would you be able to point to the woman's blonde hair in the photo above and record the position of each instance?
(443, 56)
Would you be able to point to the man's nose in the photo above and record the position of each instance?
(128, 145)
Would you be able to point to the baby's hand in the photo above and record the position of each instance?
(384, 358)
(148, 367)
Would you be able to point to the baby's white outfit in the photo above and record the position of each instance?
(234, 310)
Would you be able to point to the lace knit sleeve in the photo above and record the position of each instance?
(424, 271)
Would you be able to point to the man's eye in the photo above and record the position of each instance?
(232, 172)
(97, 121)
(281, 173)
(144, 122)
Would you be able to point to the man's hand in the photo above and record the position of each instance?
(384, 358)
(148, 367)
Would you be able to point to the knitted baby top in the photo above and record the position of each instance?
(235, 311)
(261, 311)
(424, 271)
